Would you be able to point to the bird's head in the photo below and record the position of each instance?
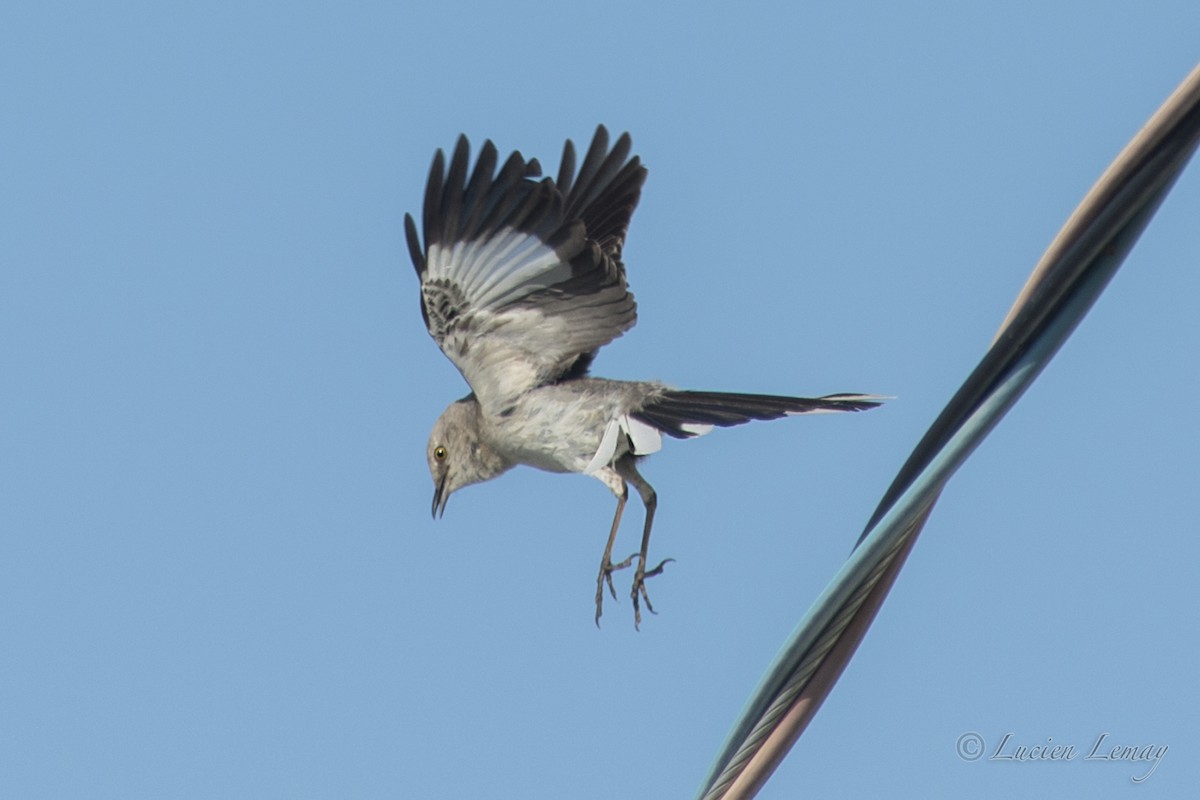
(457, 454)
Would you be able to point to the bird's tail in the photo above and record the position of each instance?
(685, 414)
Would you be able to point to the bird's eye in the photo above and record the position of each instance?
(439, 453)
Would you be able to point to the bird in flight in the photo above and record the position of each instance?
(521, 284)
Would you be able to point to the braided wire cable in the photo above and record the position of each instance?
(1066, 282)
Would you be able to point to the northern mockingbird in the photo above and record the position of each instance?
(521, 284)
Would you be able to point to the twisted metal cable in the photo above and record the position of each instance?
(1066, 282)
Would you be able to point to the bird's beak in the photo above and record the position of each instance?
(440, 498)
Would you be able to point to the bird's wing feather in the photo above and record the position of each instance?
(521, 277)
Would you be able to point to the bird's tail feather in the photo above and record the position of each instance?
(684, 414)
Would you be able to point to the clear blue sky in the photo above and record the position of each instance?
(218, 575)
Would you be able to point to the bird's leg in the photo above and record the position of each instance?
(627, 469)
(606, 566)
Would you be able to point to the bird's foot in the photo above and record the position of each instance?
(639, 589)
(607, 568)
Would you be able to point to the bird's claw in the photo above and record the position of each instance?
(606, 570)
(639, 589)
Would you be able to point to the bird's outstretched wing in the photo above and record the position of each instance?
(521, 276)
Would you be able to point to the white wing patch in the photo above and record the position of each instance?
(474, 293)
(643, 439)
(496, 270)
